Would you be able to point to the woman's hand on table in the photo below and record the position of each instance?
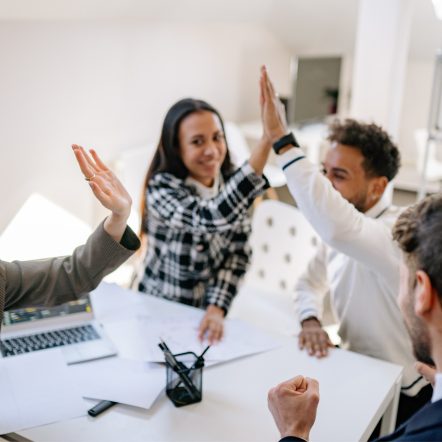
(212, 325)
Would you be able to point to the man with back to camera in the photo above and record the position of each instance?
(358, 261)
(418, 232)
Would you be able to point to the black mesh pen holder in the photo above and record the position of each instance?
(185, 381)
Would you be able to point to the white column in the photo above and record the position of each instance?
(381, 53)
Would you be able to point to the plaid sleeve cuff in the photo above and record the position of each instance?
(258, 182)
(221, 297)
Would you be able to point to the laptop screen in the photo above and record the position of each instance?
(26, 315)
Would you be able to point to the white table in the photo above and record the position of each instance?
(355, 392)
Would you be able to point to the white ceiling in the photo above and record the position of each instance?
(300, 24)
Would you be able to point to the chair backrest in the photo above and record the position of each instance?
(131, 167)
(283, 242)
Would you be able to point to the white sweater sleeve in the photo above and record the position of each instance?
(338, 222)
(311, 286)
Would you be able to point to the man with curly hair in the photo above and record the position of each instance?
(358, 261)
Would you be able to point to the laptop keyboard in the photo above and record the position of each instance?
(50, 339)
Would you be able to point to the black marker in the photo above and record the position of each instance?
(181, 370)
(100, 407)
(199, 360)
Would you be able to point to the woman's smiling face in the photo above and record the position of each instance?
(202, 146)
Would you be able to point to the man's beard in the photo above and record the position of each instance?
(422, 347)
(419, 336)
(359, 202)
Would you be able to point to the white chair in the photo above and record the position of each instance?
(282, 242)
(131, 167)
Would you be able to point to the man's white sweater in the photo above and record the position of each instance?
(358, 263)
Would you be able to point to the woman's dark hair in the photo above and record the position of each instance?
(167, 156)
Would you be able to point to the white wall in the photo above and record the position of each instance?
(108, 85)
(380, 58)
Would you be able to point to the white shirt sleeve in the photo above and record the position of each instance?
(337, 222)
(311, 286)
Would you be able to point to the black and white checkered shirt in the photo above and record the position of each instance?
(197, 248)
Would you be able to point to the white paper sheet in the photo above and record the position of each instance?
(36, 389)
(135, 323)
(138, 339)
(134, 383)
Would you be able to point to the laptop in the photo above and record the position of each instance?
(70, 326)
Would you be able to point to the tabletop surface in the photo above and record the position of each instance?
(355, 391)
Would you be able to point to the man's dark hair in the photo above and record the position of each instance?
(418, 231)
(381, 156)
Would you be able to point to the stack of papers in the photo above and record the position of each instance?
(39, 388)
(136, 322)
(138, 339)
(36, 389)
(114, 379)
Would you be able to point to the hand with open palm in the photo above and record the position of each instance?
(108, 190)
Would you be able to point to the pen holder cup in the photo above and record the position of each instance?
(185, 382)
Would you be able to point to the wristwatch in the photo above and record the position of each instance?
(285, 141)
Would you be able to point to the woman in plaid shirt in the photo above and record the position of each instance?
(195, 213)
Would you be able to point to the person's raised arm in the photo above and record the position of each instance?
(272, 110)
(53, 281)
(174, 206)
(108, 190)
(336, 220)
(260, 154)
